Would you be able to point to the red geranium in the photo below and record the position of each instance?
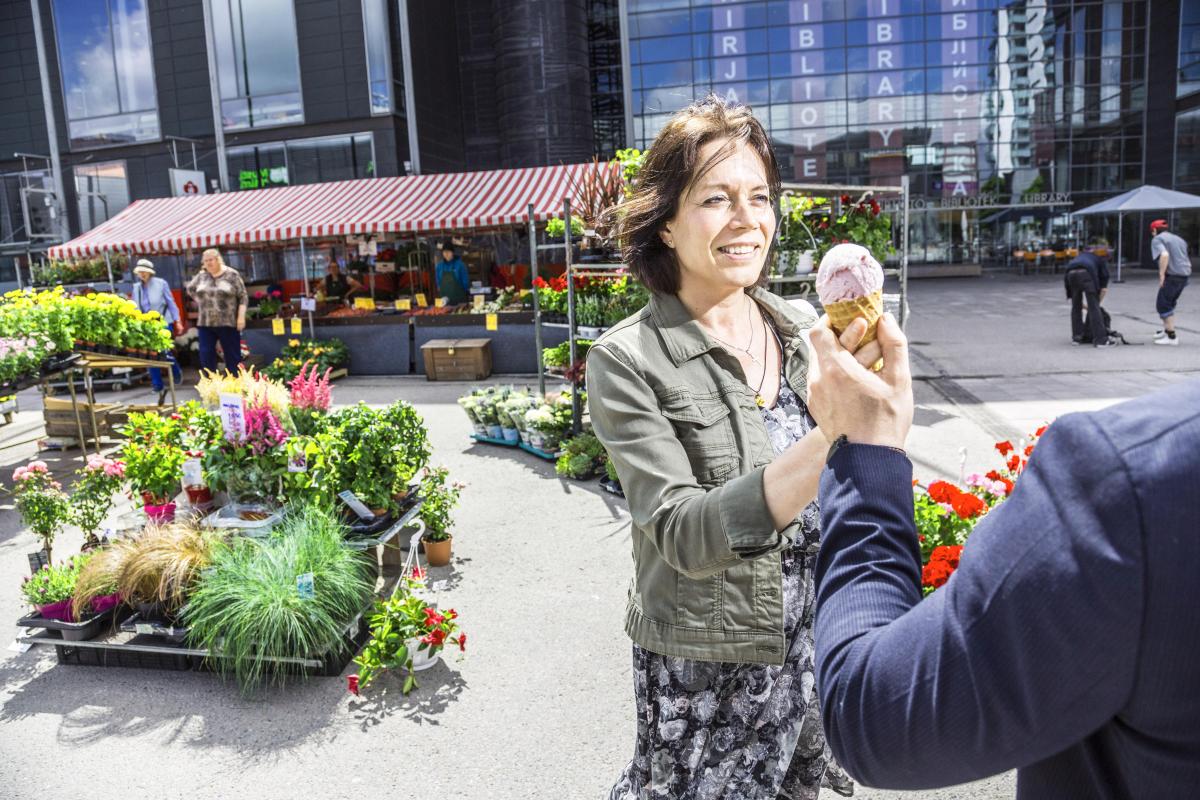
(540, 283)
(1040, 431)
(950, 553)
(1005, 447)
(1028, 450)
(1014, 463)
(461, 641)
(968, 506)
(936, 573)
(943, 492)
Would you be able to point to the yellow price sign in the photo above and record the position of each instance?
(404, 304)
(526, 292)
(297, 326)
(365, 302)
(439, 302)
(477, 302)
(421, 301)
(277, 327)
(493, 322)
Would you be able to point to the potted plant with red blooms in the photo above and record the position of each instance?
(406, 633)
(946, 514)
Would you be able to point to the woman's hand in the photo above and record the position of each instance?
(241, 319)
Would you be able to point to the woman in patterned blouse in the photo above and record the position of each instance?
(220, 296)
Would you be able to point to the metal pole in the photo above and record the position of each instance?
(904, 190)
(60, 198)
(112, 287)
(537, 306)
(214, 85)
(1120, 241)
(304, 265)
(410, 92)
(576, 411)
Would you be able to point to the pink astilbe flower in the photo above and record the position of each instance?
(263, 430)
(308, 391)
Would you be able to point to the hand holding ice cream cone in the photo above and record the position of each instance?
(850, 285)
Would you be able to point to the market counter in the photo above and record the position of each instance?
(379, 344)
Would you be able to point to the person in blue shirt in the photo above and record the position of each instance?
(1086, 279)
(452, 279)
(154, 294)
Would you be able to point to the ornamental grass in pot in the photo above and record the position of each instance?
(290, 595)
(157, 570)
(439, 499)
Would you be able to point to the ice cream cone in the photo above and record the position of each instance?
(843, 312)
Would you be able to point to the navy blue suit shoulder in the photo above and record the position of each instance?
(1065, 644)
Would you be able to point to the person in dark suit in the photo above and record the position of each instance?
(1066, 643)
(1086, 279)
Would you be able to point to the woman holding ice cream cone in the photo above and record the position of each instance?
(700, 400)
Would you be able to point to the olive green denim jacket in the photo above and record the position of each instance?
(690, 447)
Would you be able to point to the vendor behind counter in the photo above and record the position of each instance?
(452, 279)
(339, 286)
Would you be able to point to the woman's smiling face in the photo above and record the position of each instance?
(725, 222)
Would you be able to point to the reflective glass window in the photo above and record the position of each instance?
(107, 71)
(258, 63)
(377, 30)
(101, 192)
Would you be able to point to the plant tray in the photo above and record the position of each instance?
(528, 448)
(118, 656)
(490, 440)
(226, 517)
(68, 631)
(374, 540)
(145, 626)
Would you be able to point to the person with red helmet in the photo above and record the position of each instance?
(1170, 255)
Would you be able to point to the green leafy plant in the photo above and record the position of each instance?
(401, 625)
(630, 160)
(556, 228)
(248, 607)
(53, 584)
(408, 431)
(40, 501)
(154, 470)
(368, 461)
(610, 470)
(582, 455)
(439, 499)
(251, 467)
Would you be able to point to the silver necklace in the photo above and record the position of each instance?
(747, 348)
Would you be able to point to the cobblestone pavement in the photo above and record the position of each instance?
(542, 705)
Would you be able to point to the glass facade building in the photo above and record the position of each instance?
(1004, 114)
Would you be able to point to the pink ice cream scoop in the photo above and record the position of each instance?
(848, 271)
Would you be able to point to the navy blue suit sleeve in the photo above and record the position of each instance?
(1030, 646)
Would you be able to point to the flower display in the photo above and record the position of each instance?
(326, 354)
(946, 513)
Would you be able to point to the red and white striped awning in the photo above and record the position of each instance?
(460, 201)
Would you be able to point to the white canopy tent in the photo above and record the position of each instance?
(1144, 198)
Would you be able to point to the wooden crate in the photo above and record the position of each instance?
(457, 359)
(60, 418)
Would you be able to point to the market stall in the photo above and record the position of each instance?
(386, 232)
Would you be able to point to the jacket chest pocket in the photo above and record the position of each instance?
(703, 428)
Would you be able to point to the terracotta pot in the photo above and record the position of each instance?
(163, 513)
(438, 553)
(198, 495)
(380, 512)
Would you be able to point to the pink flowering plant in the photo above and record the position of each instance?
(92, 497)
(23, 355)
(40, 501)
(253, 465)
(310, 398)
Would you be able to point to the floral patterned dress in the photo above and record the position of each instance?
(726, 731)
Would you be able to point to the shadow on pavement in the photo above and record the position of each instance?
(437, 687)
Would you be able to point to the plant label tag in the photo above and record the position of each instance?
(308, 304)
(233, 416)
(439, 302)
(493, 322)
(143, 628)
(298, 462)
(404, 304)
(37, 561)
(20, 647)
(193, 473)
(297, 326)
(477, 302)
(356, 505)
(421, 301)
(277, 327)
(305, 587)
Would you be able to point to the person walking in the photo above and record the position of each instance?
(452, 279)
(1086, 278)
(699, 399)
(1170, 255)
(1065, 643)
(221, 298)
(151, 293)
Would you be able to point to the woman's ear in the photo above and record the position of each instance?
(667, 238)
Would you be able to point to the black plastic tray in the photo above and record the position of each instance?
(69, 631)
(148, 626)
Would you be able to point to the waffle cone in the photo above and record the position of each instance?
(843, 312)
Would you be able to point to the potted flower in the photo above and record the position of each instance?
(439, 499)
(156, 570)
(51, 592)
(92, 495)
(40, 501)
(370, 463)
(251, 467)
(310, 398)
(154, 471)
(544, 427)
(406, 633)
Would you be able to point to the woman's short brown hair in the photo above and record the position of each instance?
(670, 168)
